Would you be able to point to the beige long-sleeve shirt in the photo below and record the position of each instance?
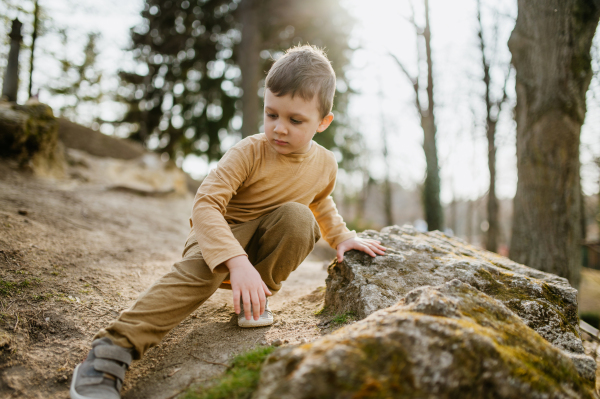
(251, 180)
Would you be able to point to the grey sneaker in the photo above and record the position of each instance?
(265, 319)
(101, 374)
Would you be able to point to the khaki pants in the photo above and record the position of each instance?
(276, 244)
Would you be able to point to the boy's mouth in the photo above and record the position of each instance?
(279, 142)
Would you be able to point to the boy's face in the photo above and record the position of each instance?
(292, 122)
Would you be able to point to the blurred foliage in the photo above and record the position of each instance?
(185, 97)
(592, 318)
(80, 82)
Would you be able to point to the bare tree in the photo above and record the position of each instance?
(387, 186)
(11, 73)
(431, 190)
(492, 108)
(250, 63)
(550, 45)
(34, 35)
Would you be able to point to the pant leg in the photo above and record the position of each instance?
(282, 241)
(171, 298)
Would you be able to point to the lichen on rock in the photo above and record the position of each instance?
(544, 302)
(447, 341)
(29, 134)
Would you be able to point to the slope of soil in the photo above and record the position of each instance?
(74, 254)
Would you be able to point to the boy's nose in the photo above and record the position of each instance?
(280, 128)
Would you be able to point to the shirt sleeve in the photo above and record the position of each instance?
(215, 239)
(330, 222)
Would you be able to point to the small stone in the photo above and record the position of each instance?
(286, 341)
(277, 324)
(23, 212)
(303, 340)
(263, 342)
(276, 342)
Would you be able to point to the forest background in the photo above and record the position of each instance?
(168, 74)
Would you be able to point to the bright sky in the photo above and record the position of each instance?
(384, 93)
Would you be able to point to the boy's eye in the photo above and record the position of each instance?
(295, 121)
(272, 116)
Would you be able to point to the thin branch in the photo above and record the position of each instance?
(412, 20)
(414, 81)
(502, 100)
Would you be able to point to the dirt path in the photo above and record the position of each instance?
(73, 255)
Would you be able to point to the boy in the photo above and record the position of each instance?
(254, 220)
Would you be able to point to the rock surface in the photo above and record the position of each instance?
(29, 133)
(448, 341)
(544, 302)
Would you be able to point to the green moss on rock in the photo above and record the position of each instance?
(448, 341)
(29, 133)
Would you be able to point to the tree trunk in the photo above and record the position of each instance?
(550, 45)
(36, 21)
(10, 86)
(249, 62)
(491, 242)
(469, 222)
(491, 120)
(431, 194)
(387, 201)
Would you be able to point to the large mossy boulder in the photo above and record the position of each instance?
(29, 134)
(446, 341)
(544, 302)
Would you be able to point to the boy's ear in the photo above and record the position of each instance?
(325, 122)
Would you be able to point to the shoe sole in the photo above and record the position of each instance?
(254, 323)
(72, 392)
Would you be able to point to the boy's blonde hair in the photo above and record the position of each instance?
(305, 71)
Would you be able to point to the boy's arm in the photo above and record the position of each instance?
(213, 234)
(334, 229)
(332, 225)
(220, 250)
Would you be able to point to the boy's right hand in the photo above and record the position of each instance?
(247, 284)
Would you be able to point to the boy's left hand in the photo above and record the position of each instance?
(368, 246)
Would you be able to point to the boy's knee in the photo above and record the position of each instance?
(298, 218)
(294, 209)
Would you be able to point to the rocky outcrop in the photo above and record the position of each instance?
(447, 341)
(544, 302)
(146, 175)
(96, 143)
(29, 133)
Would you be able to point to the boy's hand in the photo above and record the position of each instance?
(247, 284)
(371, 247)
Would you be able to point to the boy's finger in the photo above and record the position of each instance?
(377, 250)
(266, 289)
(236, 301)
(369, 251)
(340, 254)
(263, 301)
(255, 305)
(247, 305)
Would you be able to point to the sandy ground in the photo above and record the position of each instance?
(74, 254)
